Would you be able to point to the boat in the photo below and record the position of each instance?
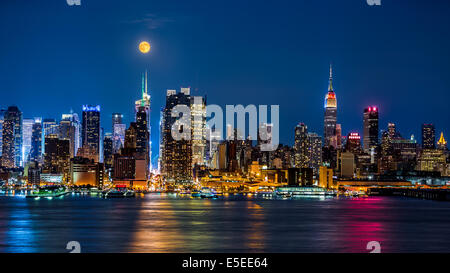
(207, 193)
(120, 192)
(303, 191)
(129, 193)
(94, 191)
(48, 191)
(196, 193)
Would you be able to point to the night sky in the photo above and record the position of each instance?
(55, 57)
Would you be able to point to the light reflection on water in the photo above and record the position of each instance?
(167, 223)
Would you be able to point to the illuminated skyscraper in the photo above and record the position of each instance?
(27, 130)
(57, 154)
(118, 135)
(36, 140)
(198, 124)
(301, 146)
(12, 138)
(116, 118)
(108, 150)
(2, 117)
(330, 113)
(67, 131)
(442, 144)
(142, 138)
(90, 130)
(353, 144)
(315, 151)
(370, 136)
(428, 136)
(50, 126)
(143, 105)
(176, 163)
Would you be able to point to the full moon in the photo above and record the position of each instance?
(144, 47)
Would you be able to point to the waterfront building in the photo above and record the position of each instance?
(325, 177)
(12, 138)
(428, 136)
(370, 133)
(84, 171)
(330, 116)
(90, 130)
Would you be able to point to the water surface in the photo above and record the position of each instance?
(167, 223)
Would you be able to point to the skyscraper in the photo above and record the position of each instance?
(301, 146)
(143, 106)
(57, 154)
(12, 138)
(198, 114)
(116, 119)
(315, 151)
(90, 130)
(108, 151)
(36, 140)
(370, 136)
(330, 113)
(118, 136)
(428, 136)
(353, 144)
(442, 143)
(69, 128)
(176, 163)
(2, 117)
(142, 135)
(27, 130)
(67, 131)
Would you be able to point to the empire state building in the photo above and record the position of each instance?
(329, 124)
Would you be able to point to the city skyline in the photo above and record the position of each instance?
(77, 67)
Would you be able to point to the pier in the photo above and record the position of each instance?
(429, 194)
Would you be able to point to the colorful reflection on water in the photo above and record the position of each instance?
(234, 223)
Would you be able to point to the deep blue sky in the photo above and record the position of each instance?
(55, 57)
